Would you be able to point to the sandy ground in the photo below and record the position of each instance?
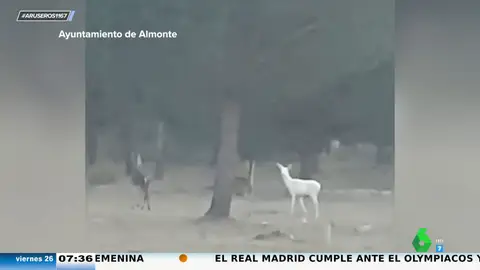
(179, 200)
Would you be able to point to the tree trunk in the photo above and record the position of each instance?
(328, 148)
(91, 125)
(251, 176)
(227, 159)
(160, 161)
(126, 138)
(216, 147)
(91, 144)
(384, 155)
(308, 165)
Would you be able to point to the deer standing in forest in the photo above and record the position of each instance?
(300, 188)
(141, 179)
(244, 185)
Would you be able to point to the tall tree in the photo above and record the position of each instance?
(227, 158)
(97, 60)
(293, 62)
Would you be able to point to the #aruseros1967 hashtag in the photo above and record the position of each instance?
(45, 15)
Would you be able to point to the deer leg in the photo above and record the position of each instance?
(147, 200)
(302, 204)
(292, 204)
(315, 202)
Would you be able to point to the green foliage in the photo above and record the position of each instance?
(371, 104)
(303, 71)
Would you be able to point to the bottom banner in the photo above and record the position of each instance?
(234, 261)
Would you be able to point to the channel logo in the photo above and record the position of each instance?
(422, 242)
(439, 245)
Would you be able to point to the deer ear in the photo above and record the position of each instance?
(279, 166)
(289, 166)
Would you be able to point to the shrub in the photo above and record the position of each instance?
(102, 173)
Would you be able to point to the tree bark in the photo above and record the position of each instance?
(160, 161)
(384, 155)
(91, 144)
(308, 165)
(216, 148)
(328, 148)
(126, 137)
(227, 158)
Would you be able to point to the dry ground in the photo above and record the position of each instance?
(179, 200)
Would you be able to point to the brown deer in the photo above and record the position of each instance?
(141, 179)
(243, 186)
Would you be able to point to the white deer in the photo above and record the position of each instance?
(300, 188)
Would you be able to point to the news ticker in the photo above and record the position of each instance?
(306, 261)
(45, 15)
